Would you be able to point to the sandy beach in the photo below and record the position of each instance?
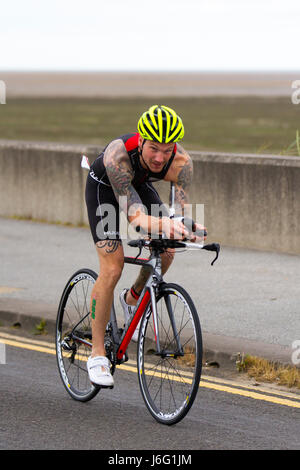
(135, 84)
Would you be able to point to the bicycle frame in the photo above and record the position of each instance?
(148, 296)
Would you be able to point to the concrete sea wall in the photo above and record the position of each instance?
(250, 201)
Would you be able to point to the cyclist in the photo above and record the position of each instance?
(121, 177)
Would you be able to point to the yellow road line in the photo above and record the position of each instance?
(9, 290)
(212, 384)
(22, 339)
(250, 394)
(260, 387)
(226, 388)
(32, 347)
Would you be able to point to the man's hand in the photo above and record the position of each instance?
(174, 228)
(195, 238)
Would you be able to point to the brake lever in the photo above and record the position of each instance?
(213, 247)
(140, 245)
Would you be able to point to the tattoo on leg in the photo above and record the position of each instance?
(110, 245)
(169, 255)
(93, 308)
(142, 279)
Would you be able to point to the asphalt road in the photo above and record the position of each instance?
(248, 300)
(37, 413)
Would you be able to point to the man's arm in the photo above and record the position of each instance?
(182, 183)
(120, 175)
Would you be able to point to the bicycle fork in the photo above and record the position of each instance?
(156, 283)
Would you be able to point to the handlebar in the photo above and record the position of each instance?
(162, 244)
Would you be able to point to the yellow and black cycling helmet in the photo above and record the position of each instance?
(161, 124)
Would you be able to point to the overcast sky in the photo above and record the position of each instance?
(238, 35)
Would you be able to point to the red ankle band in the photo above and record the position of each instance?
(134, 293)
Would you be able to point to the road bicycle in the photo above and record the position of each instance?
(169, 346)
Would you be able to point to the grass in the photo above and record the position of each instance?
(266, 371)
(40, 328)
(189, 358)
(226, 124)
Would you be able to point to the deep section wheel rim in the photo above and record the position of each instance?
(169, 381)
(72, 352)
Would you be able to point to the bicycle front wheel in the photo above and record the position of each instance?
(73, 332)
(169, 378)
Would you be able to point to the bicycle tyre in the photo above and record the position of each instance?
(169, 403)
(72, 363)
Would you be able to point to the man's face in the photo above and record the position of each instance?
(155, 154)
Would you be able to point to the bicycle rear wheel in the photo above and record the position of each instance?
(169, 379)
(73, 329)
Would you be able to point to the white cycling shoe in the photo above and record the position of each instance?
(128, 312)
(99, 371)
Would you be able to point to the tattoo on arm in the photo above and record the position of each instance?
(120, 175)
(182, 184)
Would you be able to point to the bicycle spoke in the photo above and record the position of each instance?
(74, 317)
(170, 379)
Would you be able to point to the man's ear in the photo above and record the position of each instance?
(140, 142)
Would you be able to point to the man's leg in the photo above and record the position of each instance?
(111, 259)
(151, 200)
(134, 293)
